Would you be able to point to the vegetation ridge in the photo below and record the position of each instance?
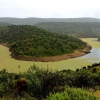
(29, 42)
(34, 20)
(78, 29)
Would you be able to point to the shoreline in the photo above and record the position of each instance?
(76, 54)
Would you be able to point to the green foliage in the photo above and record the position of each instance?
(12, 96)
(72, 94)
(94, 70)
(43, 81)
(78, 29)
(34, 20)
(25, 40)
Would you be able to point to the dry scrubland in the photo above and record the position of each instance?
(12, 65)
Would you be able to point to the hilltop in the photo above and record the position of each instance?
(33, 20)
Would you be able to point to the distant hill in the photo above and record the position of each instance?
(33, 21)
(79, 29)
(4, 24)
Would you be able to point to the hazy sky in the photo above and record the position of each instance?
(50, 8)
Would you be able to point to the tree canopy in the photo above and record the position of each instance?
(78, 29)
(32, 41)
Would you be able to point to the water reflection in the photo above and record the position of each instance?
(95, 53)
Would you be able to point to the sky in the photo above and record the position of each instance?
(50, 8)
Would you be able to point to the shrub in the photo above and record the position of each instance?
(72, 94)
(12, 96)
(94, 70)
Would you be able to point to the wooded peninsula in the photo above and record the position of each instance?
(28, 42)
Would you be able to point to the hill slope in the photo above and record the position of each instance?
(79, 29)
(31, 41)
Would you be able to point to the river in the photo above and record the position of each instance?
(11, 64)
(95, 53)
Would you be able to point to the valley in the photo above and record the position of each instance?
(50, 63)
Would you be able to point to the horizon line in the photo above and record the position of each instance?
(51, 17)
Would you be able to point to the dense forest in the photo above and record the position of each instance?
(26, 40)
(78, 29)
(44, 84)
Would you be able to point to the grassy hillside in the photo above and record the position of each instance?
(25, 40)
(79, 29)
(33, 21)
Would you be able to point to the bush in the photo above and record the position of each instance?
(72, 94)
(12, 96)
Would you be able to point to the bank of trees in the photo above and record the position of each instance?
(28, 40)
(78, 29)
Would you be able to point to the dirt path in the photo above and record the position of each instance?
(55, 58)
